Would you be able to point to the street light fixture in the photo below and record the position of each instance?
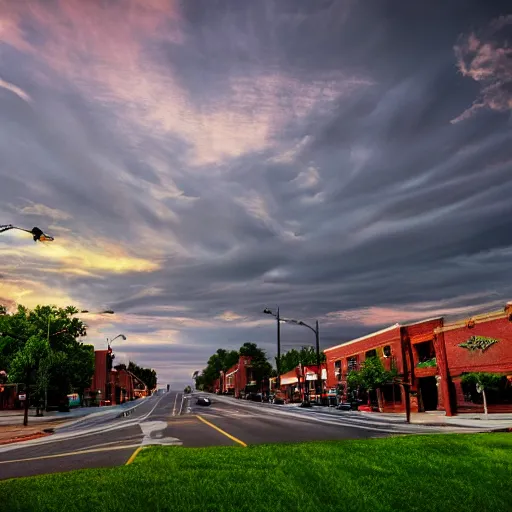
(317, 339)
(122, 336)
(36, 233)
(106, 312)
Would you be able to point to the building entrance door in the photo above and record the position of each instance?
(428, 390)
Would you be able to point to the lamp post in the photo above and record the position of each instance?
(36, 233)
(50, 318)
(122, 336)
(110, 358)
(317, 340)
(268, 311)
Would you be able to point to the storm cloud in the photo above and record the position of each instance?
(198, 161)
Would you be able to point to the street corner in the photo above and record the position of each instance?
(22, 437)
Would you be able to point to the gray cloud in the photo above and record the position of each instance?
(331, 178)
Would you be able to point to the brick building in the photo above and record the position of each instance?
(110, 386)
(237, 379)
(299, 383)
(427, 356)
(488, 348)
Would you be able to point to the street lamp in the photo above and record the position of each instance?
(317, 339)
(122, 336)
(268, 311)
(36, 233)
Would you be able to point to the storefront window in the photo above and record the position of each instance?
(352, 363)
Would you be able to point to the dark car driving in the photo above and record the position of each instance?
(202, 400)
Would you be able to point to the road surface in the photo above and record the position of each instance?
(105, 439)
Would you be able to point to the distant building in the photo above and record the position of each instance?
(110, 386)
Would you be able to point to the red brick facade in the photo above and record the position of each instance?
(238, 379)
(427, 356)
(110, 386)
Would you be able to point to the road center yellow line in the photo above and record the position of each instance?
(134, 454)
(233, 438)
(69, 454)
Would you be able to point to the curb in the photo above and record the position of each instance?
(129, 411)
(29, 437)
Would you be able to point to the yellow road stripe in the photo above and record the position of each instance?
(69, 454)
(134, 454)
(182, 422)
(233, 438)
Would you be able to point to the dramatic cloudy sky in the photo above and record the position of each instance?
(197, 161)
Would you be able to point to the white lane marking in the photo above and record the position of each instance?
(413, 428)
(174, 408)
(181, 407)
(74, 435)
(150, 412)
(158, 427)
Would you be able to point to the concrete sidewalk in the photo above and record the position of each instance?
(477, 421)
(9, 418)
(435, 418)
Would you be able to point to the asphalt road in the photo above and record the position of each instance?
(103, 439)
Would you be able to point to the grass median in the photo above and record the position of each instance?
(424, 473)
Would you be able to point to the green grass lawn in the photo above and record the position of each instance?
(423, 473)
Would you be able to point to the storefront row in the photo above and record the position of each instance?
(430, 359)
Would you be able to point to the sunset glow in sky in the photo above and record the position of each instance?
(198, 161)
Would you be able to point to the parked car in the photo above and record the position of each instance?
(202, 400)
(255, 397)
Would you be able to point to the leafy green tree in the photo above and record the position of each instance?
(31, 364)
(146, 375)
(483, 381)
(371, 376)
(222, 360)
(292, 358)
(68, 366)
(188, 389)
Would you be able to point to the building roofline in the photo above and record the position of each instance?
(422, 321)
(382, 331)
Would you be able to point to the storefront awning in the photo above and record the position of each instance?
(289, 380)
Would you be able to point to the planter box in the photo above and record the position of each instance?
(429, 371)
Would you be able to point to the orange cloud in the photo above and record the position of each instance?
(375, 316)
(489, 63)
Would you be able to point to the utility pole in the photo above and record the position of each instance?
(278, 361)
(319, 370)
(27, 385)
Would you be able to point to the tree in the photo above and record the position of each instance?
(221, 361)
(187, 390)
(146, 375)
(68, 366)
(291, 359)
(31, 364)
(483, 381)
(372, 376)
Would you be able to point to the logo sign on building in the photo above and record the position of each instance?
(22, 396)
(478, 343)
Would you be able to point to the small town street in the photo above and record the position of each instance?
(107, 438)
